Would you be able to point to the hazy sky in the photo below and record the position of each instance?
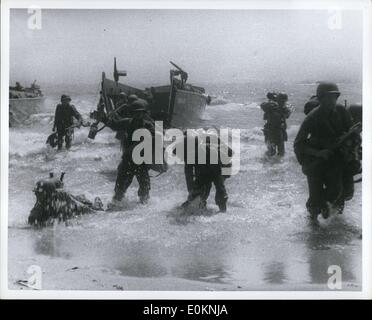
(223, 46)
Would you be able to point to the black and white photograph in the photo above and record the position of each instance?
(181, 150)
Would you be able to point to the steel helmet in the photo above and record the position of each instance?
(139, 105)
(65, 97)
(132, 98)
(122, 95)
(271, 95)
(325, 88)
(282, 96)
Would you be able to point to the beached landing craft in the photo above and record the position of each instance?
(23, 102)
(178, 104)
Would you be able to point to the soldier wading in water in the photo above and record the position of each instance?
(127, 168)
(275, 129)
(64, 120)
(324, 146)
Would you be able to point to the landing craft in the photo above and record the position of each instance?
(23, 102)
(177, 104)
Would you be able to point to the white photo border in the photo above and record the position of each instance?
(364, 5)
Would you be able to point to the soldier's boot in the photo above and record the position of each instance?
(338, 207)
(118, 195)
(144, 199)
(313, 211)
(281, 149)
(203, 204)
(143, 179)
(68, 142)
(222, 207)
(59, 144)
(114, 204)
(186, 203)
(325, 212)
(271, 150)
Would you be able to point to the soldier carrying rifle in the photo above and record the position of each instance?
(325, 147)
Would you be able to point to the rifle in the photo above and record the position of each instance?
(104, 108)
(355, 129)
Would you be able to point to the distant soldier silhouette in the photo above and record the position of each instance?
(275, 129)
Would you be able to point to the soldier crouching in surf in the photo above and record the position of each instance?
(54, 203)
(324, 146)
(64, 120)
(127, 168)
(201, 176)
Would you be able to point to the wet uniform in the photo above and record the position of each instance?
(328, 180)
(127, 169)
(275, 127)
(64, 118)
(199, 180)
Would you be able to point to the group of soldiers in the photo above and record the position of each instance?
(132, 113)
(328, 147)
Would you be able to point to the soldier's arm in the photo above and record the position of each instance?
(301, 143)
(76, 114)
(55, 118)
(287, 112)
(150, 126)
(117, 124)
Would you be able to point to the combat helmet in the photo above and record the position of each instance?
(325, 88)
(132, 98)
(139, 105)
(282, 96)
(122, 95)
(272, 95)
(65, 97)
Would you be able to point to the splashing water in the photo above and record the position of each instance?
(264, 241)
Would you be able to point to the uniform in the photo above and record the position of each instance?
(329, 179)
(200, 177)
(275, 128)
(63, 120)
(127, 169)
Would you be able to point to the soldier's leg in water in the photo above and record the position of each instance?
(221, 194)
(348, 186)
(198, 189)
(204, 194)
(352, 168)
(271, 149)
(316, 202)
(281, 146)
(143, 178)
(68, 138)
(124, 179)
(60, 138)
(333, 180)
(190, 181)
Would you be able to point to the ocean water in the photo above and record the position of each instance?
(264, 241)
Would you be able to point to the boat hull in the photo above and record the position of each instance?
(20, 109)
(177, 108)
(188, 108)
